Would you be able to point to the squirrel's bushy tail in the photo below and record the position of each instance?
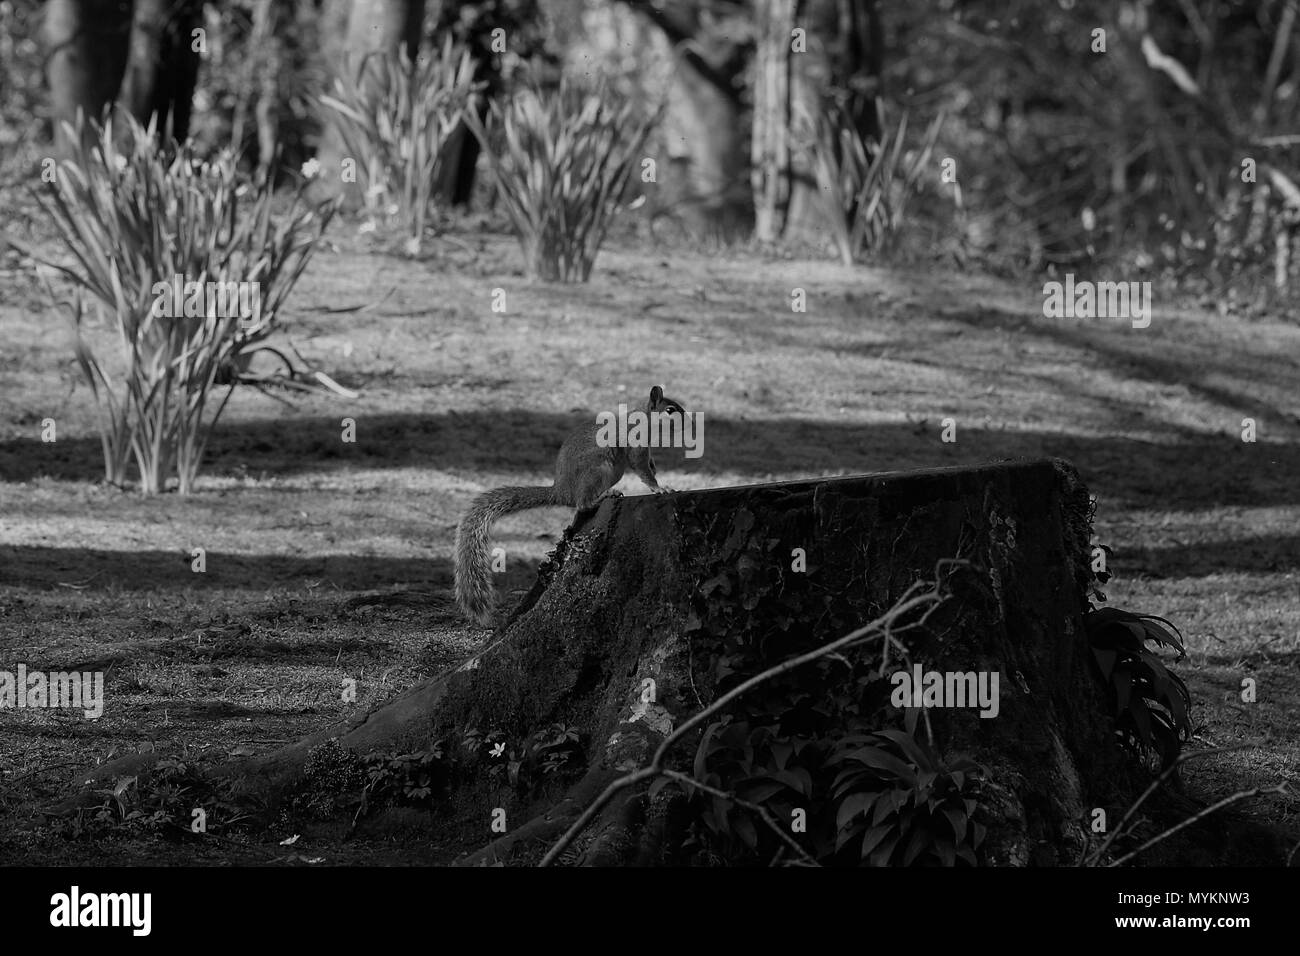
(474, 591)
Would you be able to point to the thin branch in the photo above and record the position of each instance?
(1155, 785)
(1240, 795)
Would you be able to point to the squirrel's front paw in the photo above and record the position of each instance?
(663, 490)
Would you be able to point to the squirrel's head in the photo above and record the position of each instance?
(659, 402)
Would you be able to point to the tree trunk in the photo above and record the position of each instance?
(383, 26)
(163, 65)
(270, 20)
(460, 171)
(770, 146)
(840, 68)
(86, 43)
(707, 189)
(461, 166)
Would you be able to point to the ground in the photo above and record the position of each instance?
(457, 398)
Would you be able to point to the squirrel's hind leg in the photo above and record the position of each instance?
(596, 486)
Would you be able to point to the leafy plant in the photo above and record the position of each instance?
(160, 802)
(396, 118)
(550, 750)
(134, 216)
(892, 802)
(864, 184)
(562, 162)
(897, 805)
(407, 779)
(747, 766)
(1149, 703)
(556, 748)
(336, 779)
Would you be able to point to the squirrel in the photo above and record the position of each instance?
(584, 474)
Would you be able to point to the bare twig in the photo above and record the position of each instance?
(1155, 785)
(1240, 795)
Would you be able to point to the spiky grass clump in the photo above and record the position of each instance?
(133, 215)
(562, 162)
(396, 119)
(866, 184)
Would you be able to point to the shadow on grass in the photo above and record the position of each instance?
(386, 584)
(96, 569)
(1257, 554)
(1191, 471)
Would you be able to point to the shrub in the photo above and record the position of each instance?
(898, 805)
(1149, 703)
(396, 119)
(562, 163)
(134, 216)
(865, 185)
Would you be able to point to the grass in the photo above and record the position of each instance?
(457, 399)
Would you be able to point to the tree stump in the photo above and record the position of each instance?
(620, 638)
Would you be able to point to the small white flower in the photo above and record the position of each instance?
(413, 246)
(498, 749)
(367, 226)
(311, 168)
(119, 161)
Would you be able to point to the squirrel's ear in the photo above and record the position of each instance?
(656, 394)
